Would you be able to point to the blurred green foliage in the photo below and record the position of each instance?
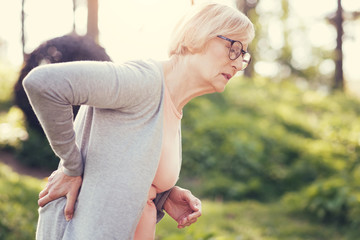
(8, 77)
(18, 195)
(36, 152)
(250, 220)
(247, 220)
(265, 140)
(30, 146)
(12, 130)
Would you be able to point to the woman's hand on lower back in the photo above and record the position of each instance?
(61, 185)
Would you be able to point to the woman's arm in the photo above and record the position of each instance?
(53, 89)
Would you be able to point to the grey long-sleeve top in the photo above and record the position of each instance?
(115, 141)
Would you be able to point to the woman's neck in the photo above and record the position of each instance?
(182, 80)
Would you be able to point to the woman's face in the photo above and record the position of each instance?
(214, 65)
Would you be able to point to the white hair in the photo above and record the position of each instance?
(205, 22)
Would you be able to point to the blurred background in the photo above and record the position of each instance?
(276, 156)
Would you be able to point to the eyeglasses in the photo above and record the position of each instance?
(236, 50)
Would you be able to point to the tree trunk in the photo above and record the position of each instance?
(23, 28)
(245, 7)
(74, 10)
(92, 25)
(339, 76)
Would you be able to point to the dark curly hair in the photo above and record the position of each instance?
(66, 48)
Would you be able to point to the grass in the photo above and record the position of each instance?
(248, 220)
(18, 205)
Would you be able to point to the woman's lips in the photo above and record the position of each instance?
(227, 76)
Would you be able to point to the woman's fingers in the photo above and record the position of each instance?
(194, 215)
(60, 185)
(186, 223)
(195, 204)
(70, 205)
(43, 193)
(46, 199)
(190, 219)
(195, 208)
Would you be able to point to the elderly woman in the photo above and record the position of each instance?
(121, 157)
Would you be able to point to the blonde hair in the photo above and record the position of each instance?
(205, 22)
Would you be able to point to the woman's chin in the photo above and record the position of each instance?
(220, 88)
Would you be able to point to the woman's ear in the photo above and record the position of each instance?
(187, 50)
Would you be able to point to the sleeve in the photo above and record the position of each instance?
(159, 203)
(52, 90)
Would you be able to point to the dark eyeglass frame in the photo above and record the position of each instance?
(242, 52)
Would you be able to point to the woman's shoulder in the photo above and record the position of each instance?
(150, 68)
(141, 78)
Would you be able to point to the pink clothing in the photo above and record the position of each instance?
(168, 169)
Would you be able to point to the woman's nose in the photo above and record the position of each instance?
(237, 63)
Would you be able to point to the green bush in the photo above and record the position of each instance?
(7, 81)
(261, 140)
(12, 130)
(18, 205)
(249, 220)
(335, 200)
(35, 151)
(30, 146)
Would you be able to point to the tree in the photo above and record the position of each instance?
(338, 19)
(74, 10)
(276, 52)
(338, 22)
(247, 7)
(92, 25)
(23, 28)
